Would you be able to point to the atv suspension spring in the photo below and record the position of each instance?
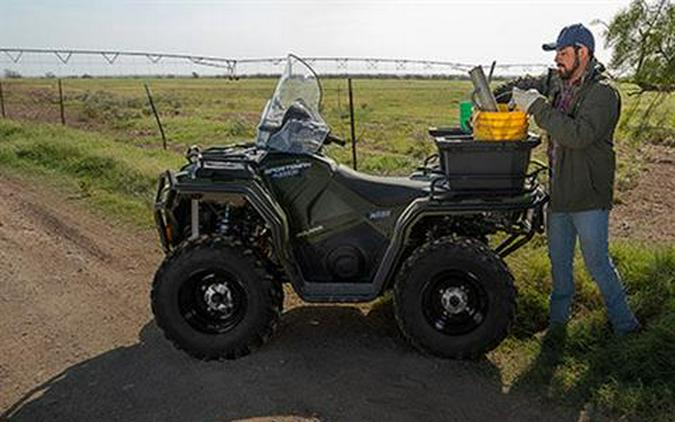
(224, 221)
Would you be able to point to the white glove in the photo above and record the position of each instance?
(524, 99)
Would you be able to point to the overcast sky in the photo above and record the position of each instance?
(460, 31)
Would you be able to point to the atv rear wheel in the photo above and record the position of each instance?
(213, 299)
(454, 297)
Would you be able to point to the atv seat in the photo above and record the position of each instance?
(379, 190)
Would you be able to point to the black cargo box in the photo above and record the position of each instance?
(484, 165)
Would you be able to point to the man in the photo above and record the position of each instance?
(579, 113)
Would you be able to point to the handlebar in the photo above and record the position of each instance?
(330, 139)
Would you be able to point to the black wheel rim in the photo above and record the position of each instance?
(454, 302)
(212, 301)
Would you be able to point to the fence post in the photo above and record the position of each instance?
(63, 115)
(351, 122)
(154, 111)
(2, 102)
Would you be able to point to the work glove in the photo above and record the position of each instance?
(524, 99)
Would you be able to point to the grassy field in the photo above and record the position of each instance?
(112, 157)
(392, 116)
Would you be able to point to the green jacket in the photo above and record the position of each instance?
(582, 177)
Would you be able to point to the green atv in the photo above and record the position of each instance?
(237, 222)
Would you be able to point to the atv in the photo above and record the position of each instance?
(238, 222)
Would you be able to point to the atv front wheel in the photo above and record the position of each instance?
(454, 297)
(213, 299)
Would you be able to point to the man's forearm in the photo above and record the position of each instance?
(596, 115)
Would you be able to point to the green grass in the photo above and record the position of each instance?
(392, 116)
(113, 165)
(630, 377)
(115, 178)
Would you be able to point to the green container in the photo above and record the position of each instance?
(465, 110)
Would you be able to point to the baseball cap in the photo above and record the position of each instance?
(576, 34)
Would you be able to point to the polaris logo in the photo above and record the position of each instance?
(288, 170)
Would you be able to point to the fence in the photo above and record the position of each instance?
(207, 101)
(392, 115)
(218, 110)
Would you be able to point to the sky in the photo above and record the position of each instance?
(459, 31)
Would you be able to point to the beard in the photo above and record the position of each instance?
(565, 73)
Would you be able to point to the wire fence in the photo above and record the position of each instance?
(210, 100)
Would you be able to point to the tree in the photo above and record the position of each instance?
(642, 38)
(12, 74)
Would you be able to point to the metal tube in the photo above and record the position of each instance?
(482, 95)
(194, 219)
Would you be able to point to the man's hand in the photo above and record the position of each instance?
(524, 99)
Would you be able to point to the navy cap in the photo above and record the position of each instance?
(576, 34)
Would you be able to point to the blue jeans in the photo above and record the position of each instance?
(591, 227)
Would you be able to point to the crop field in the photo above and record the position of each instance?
(392, 116)
(109, 153)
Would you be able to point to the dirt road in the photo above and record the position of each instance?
(78, 343)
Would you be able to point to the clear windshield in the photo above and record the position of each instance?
(291, 121)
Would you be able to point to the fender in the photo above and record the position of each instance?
(431, 206)
(170, 187)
